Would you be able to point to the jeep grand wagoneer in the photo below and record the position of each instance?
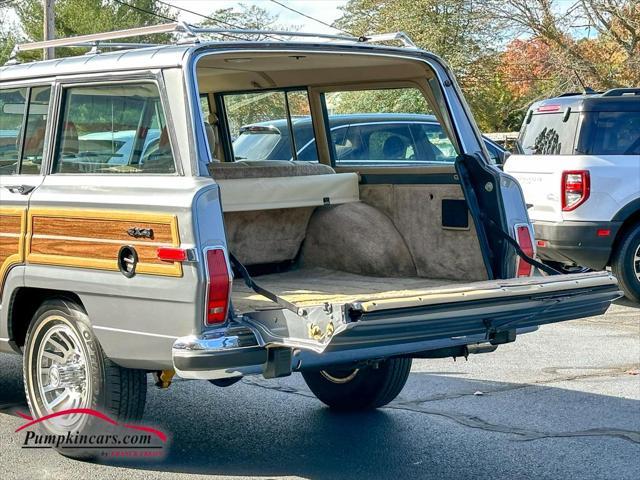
(134, 241)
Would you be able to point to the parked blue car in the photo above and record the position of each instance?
(377, 138)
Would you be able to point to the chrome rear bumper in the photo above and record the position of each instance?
(225, 353)
(239, 351)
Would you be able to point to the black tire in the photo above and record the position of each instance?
(99, 384)
(625, 265)
(359, 389)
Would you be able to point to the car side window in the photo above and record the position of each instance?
(389, 142)
(23, 121)
(610, 133)
(113, 129)
(386, 127)
(438, 142)
(493, 152)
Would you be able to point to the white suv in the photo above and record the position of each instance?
(579, 168)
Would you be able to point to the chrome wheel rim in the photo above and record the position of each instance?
(334, 378)
(61, 373)
(636, 263)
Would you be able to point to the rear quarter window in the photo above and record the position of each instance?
(610, 133)
(113, 129)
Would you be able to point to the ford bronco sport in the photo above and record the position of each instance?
(172, 256)
(580, 171)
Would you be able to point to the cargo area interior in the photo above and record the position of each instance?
(320, 231)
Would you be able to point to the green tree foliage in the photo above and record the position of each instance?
(250, 17)
(401, 100)
(80, 17)
(459, 31)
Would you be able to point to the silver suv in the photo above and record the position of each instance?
(133, 241)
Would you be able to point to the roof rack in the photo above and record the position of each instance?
(191, 34)
(618, 92)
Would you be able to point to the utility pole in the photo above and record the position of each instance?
(49, 27)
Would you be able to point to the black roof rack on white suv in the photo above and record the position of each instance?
(617, 92)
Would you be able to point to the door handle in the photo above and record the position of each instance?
(21, 189)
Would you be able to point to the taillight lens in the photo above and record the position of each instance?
(576, 187)
(170, 254)
(523, 237)
(218, 287)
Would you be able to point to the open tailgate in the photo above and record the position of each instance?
(492, 308)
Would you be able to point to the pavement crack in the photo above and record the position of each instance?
(276, 387)
(472, 421)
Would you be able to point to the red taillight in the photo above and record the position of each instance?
(169, 254)
(218, 287)
(523, 237)
(576, 187)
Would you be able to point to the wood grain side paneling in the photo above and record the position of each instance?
(12, 234)
(102, 229)
(93, 238)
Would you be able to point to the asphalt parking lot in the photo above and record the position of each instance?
(563, 402)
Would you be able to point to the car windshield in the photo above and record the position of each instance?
(255, 143)
(549, 134)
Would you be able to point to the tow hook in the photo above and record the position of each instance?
(163, 378)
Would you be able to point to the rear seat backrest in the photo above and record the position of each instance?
(266, 169)
(211, 138)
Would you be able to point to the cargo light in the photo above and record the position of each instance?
(525, 240)
(218, 287)
(576, 188)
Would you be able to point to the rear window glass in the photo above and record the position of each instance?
(610, 133)
(549, 134)
(256, 143)
(270, 125)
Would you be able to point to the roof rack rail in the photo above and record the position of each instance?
(385, 37)
(618, 92)
(191, 34)
(586, 91)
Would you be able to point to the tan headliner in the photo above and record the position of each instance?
(220, 73)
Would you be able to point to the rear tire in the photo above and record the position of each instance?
(359, 389)
(626, 263)
(65, 367)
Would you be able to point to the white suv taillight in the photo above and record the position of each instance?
(218, 287)
(576, 188)
(525, 240)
